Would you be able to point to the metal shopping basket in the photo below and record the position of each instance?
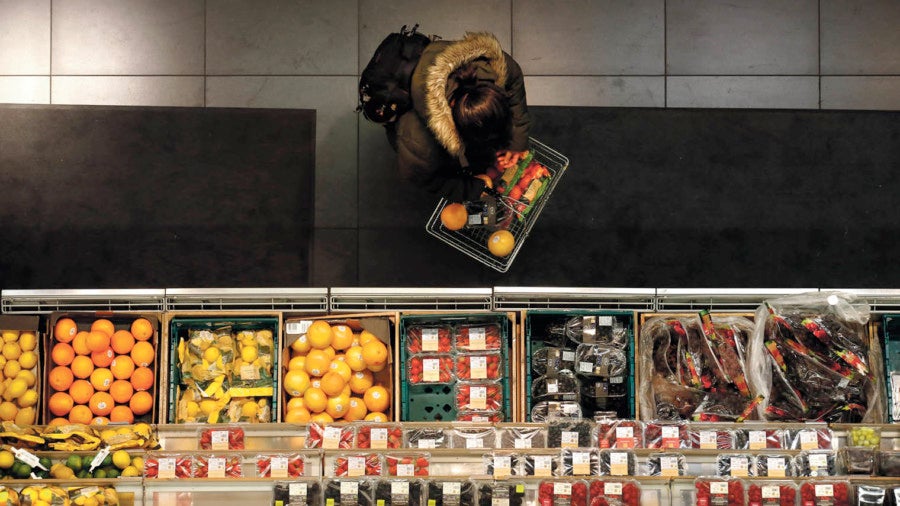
(473, 241)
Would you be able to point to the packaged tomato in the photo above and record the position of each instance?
(168, 465)
(330, 437)
(475, 437)
(479, 395)
(356, 465)
(222, 438)
(711, 438)
(428, 338)
(217, 466)
(667, 434)
(430, 368)
(825, 493)
(379, 436)
(719, 491)
(478, 337)
(280, 465)
(772, 493)
(479, 366)
(551, 493)
(407, 464)
(480, 416)
(611, 432)
(615, 493)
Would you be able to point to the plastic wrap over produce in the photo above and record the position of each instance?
(696, 369)
(811, 360)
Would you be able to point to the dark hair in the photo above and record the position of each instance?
(480, 112)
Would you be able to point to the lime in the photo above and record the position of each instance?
(121, 459)
(74, 463)
(112, 472)
(44, 461)
(100, 473)
(21, 470)
(7, 459)
(83, 474)
(107, 461)
(86, 461)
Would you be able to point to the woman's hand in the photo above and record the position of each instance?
(507, 158)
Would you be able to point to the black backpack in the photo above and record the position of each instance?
(384, 84)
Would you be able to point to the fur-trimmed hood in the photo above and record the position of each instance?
(431, 81)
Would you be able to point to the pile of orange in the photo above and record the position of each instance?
(335, 374)
(18, 380)
(101, 374)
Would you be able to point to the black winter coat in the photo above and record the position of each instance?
(429, 149)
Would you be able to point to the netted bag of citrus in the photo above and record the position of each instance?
(18, 376)
(101, 372)
(336, 374)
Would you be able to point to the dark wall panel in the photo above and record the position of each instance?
(97, 197)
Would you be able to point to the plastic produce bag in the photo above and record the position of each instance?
(563, 386)
(523, 437)
(600, 360)
(696, 369)
(549, 410)
(551, 360)
(811, 360)
(608, 330)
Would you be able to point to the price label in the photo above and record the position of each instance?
(378, 438)
(825, 490)
(615, 380)
(331, 438)
(478, 367)
(297, 327)
(356, 466)
(32, 460)
(771, 492)
(618, 463)
(740, 466)
(399, 488)
(671, 436)
(477, 339)
(562, 488)
(502, 466)
(818, 461)
(668, 466)
(427, 444)
(478, 398)
(568, 356)
(431, 370)
(349, 487)
(98, 459)
(581, 463)
(249, 372)
(543, 465)
(430, 340)
(625, 437)
(612, 488)
(708, 440)
(552, 386)
(569, 439)
(216, 466)
(776, 467)
(278, 467)
(297, 489)
(451, 488)
(406, 469)
(474, 442)
(521, 443)
(219, 440)
(166, 467)
(809, 440)
(500, 501)
(586, 367)
(718, 488)
(757, 439)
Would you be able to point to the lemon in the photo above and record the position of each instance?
(130, 472)
(11, 351)
(249, 353)
(11, 369)
(249, 410)
(193, 409)
(121, 459)
(138, 463)
(16, 388)
(8, 411)
(27, 341)
(2, 362)
(7, 459)
(211, 354)
(10, 336)
(28, 360)
(208, 406)
(28, 399)
(25, 416)
(45, 495)
(27, 376)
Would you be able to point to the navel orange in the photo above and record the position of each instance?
(101, 403)
(81, 391)
(62, 354)
(64, 330)
(141, 403)
(122, 342)
(454, 216)
(142, 329)
(104, 325)
(122, 367)
(60, 378)
(142, 379)
(142, 354)
(60, 404)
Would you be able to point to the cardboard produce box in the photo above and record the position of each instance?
(101, 367)
(222, 366)
(20, 357)
(363, 376)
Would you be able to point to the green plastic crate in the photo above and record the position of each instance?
(891, 358)
(179, 327)
(437, 402)
(628, 409)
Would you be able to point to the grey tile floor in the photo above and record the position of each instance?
(803, 54)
